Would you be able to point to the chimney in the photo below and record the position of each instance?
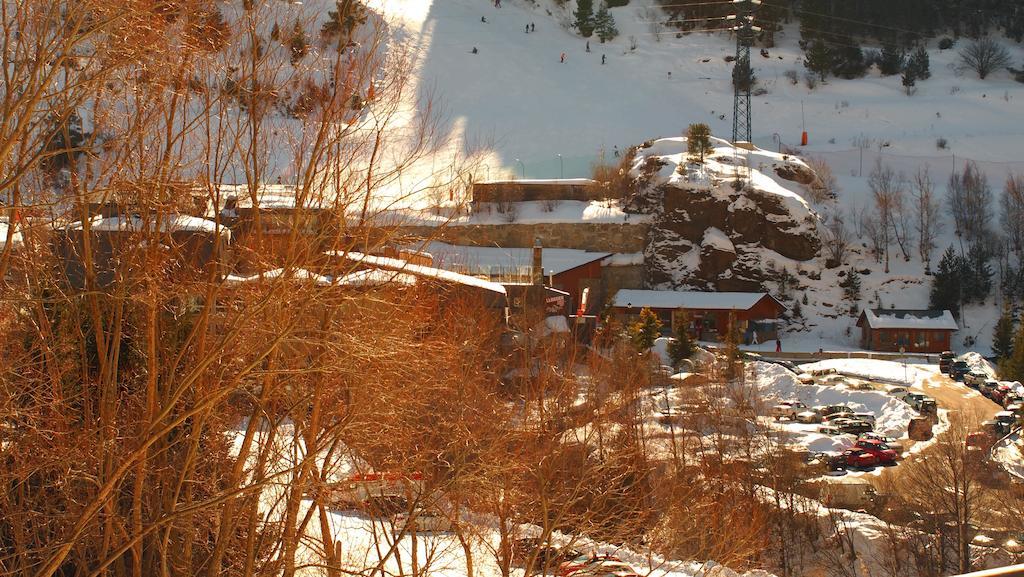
(538, 267)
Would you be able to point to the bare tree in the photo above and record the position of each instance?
(928, 220)
(946, 482)
(887, 190)
(824, 187)
(1012, 217)
(837, 240)
(970, 202)
(984, 56)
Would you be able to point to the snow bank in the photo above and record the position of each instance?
(776, 383)
(978, 363)
(874, 370)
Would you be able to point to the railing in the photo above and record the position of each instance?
(1008, 571)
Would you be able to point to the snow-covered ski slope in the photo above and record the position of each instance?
(517, 97)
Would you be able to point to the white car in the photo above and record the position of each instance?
(805, 378)
(788, 409)
(808, 417)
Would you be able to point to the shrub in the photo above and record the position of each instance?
(941, 143)
(946, 43)
(792, 76)
(698, 139)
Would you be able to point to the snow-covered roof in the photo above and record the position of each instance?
(687, 299)
(168, 223)
(400, 265)
(490, 260)
(375, 276)
(297, 274)
(544, 181)
(908, 319)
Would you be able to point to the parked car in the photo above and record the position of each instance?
(913, 398)
(1012, 399)
(836, 417)
(1016, 409)
(884, 453)
(573, 565)
(958, 370)
(974, 379)
(866, 417)
(808, 417)
(805, 378)
(849, 493)
(986, 387)
(927, 407)
(894, 444)
(945, 361)
(833, 409)
(788, 409)
(858, 458)
(783, 363)
(1005, 421)
(999, 394)
(853, 426)
(829, 430)
(859, 385)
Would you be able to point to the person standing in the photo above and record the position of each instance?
(602, 59)
(778, 345)
(527, 28)
(562, 59)
(533, 27)
(588, 45)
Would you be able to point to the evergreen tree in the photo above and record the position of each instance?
(584, 17)
(743, 75)
(946, 286)
(909, 80)
(851, 290)
(604, 24)
(646, 330)
(698, 139)
(920, 63)
(892, 60)
(297, 43)
(797, 310)
(977, 274)
(1012, 368)
(819, 59)
(343, 20)
(1002, 336)
(681, 347)
(848, 60)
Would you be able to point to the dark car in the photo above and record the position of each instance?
(945, 361)
(927, 407)
(537, 554)
(958, 369)
(852, 426)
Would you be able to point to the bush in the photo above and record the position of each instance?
(811, 80)
(698, 140)
(792, 76)
(946, 43)
(892, 61)
(941, 143)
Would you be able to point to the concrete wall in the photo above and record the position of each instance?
(599, 237)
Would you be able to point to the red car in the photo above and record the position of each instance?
(573, 565)
(880, 450)
(858, 458)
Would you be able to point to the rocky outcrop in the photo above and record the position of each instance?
(710, 233)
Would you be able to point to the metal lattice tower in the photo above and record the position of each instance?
(745, 30)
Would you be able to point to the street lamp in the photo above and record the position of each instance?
(778, 140)
(561, 167)
(903, 350)
(522, 167)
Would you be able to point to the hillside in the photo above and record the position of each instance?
(535, 116)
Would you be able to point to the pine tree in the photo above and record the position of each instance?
(848, 60)
(343, 20)
(920, 63)
(909, 80)
(297, 43)
(1012, 368)
(851, 290)
(646, 330)
(743, 75)
(604, 24)
(819, 59)
(584, 17)
(1002, 336)
(892, 60)
(946, 289)
(698, 139)
(733, 365)
(977, 274)
(681, 347)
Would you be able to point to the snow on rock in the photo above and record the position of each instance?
(704, 227)
(1009, 453)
